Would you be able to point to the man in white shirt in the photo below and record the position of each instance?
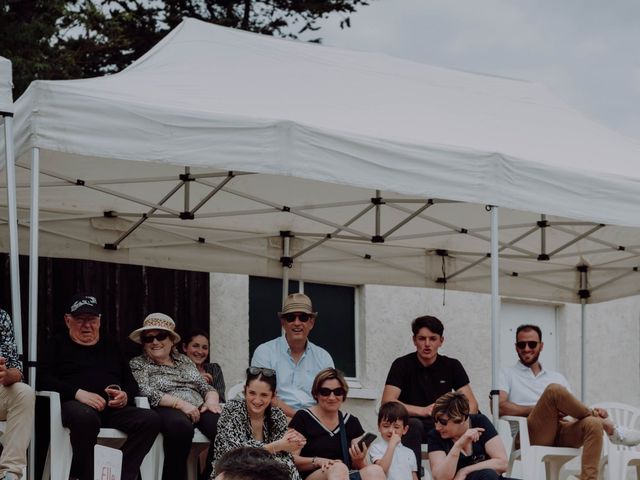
(544, 397)
(294, 358)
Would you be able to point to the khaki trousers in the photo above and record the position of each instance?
(546, 427)
(17, 403)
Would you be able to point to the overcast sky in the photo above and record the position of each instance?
(587, 52)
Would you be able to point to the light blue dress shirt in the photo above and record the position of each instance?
(294, 380)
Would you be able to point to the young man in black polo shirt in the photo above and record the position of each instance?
(418, 379)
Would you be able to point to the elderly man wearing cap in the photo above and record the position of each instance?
(96, 389)
(294, 358)
(176, 390)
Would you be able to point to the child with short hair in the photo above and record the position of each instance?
(397, 461)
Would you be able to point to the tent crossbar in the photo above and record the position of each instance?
(187, 189)
(524, 278)
(459, 229)
(485, 256)
(107, 191)
(406, 220)
(335, 232)
(257, 211)
(434, 201)
(576, 239)
(150, 213)
(612, 246)
(613, 269)
(210, 195)
(631, 271)
(69, 236)
(610, 262)
(296, 211)
(378, 219)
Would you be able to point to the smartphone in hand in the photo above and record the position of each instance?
(366, 440)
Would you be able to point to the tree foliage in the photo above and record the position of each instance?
(62, 39)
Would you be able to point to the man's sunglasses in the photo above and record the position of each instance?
(266, 372)
(531, 344)
(291, 317)
(150, 338)
(325, 392)
(445, 421)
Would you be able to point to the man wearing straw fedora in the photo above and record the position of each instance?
(295, 359)
(96, 390)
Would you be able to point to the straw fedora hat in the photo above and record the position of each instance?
(156, 321)
(297, 302)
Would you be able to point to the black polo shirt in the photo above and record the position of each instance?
(420, 385)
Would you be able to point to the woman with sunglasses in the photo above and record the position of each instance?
(175, 389)
(252, 421)
(196, 347)
(464, 446)
(326, 428)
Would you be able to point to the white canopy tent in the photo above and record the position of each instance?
(221, 150)
(10, 220)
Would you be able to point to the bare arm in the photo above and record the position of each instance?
(473, 403)
(392, 394)
(385, 460)
(443, 466)
(497, 459)
(509, 408)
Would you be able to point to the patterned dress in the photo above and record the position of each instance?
(234, 430)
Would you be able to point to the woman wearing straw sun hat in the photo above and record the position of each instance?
(175, 389)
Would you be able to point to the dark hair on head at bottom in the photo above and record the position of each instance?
(250, 463)
(528, 327)
(427, 321)
(392, 412)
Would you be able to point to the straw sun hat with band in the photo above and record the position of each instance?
(156, 321)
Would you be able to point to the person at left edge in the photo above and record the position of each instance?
(17, 401)
(80, 364)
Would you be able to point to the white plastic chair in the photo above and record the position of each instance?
(235, 391)
(617, 458)
(58, 462)
(537, 460)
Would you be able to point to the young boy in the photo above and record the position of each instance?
(397, 461)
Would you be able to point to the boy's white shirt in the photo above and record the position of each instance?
(402, 463)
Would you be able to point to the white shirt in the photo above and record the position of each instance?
(402, 463)
(294, 379)
(525, 388)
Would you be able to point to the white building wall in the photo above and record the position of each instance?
(384, 333)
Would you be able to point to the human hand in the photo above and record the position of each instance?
(600, 412)
(426, 411)
(211, 403)
(395, 439)
(3, 370)
(291, 442)
(357, 455)
(189, 410)
(207, 378)
(326, 463)
(117, 398)
(470, 436)
(94, 400)
(461, 474)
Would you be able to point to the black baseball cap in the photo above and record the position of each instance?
(81, 303)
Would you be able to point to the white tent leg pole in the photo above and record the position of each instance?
(286, 247)
(583, 353)
(33, 285)
(14, 254)
(495, 312)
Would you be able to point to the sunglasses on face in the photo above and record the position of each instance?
(150, 338)
(531, 344)
(325, 392)
(267, 372)
(445, 421)
(291, 317)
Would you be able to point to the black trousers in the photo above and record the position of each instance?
(84, 422)
(486, 474)
(177, 431)
(419, 427)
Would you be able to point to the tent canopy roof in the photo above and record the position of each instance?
(311, 135)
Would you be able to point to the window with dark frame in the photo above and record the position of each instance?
(335, 327)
